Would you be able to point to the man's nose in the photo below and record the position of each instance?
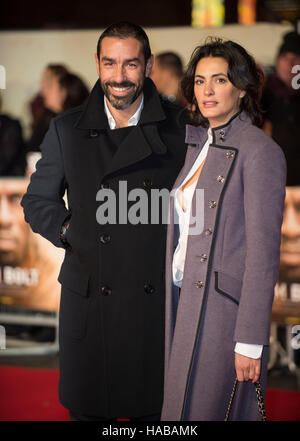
(6, 216)
(119, 74)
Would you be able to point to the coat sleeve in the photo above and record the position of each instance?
(43, 204)
(264, 193)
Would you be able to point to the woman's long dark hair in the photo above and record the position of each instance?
(76, 91)
(243, 73)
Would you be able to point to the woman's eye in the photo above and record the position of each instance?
(221, 80)
(199, 82)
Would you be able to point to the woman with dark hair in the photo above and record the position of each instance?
(223, 256)
(67, 92)
(42, 115)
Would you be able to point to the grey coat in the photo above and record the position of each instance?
(230, 272)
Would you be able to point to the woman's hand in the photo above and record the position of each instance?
(247, 368)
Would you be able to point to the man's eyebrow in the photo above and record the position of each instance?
(214, 75)
(128, 60)
(106, 59)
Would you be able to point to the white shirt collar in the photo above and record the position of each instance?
(132, 121)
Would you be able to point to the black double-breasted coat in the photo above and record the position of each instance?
(112, 301)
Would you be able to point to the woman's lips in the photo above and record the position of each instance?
(210, 103)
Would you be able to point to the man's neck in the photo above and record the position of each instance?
(122, 117)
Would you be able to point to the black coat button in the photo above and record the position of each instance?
(105, 291)
(105, 185)
(105, 238)
(94, 133)
(149, 289)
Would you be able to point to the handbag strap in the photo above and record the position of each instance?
(259, 396)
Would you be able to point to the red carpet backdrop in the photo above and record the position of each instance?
(31, 395)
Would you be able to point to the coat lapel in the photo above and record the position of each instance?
(136, 147)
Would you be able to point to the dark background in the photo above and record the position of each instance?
(85, 14)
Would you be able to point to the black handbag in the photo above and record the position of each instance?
(260, 401)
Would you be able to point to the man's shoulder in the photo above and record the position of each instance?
(69, 117)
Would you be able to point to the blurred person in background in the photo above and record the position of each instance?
(65, 92)
(281, 104)
(12, 147)
(60, 93)
(42, 115)
(167, 74)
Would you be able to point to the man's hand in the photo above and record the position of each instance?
(247, 368)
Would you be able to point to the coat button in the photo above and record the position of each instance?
(230, 154)
(203, 257)
(208, 231)
(222, 135)
(105, 291)
(212, 204)
(105, 185)
(149, 289)
(94, 133)
(220, 179)
(147, 183)
(199, 284)
(105, 238)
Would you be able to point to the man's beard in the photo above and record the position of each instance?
(122, 102)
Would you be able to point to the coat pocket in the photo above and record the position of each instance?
(228, 286)
(74, 276)
(74, 300)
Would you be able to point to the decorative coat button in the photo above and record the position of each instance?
(208, 231)
(220, 179)
(105, 185)
(222, 135)
(212, 204)
(203, 257)
(105, 238)
(94, 133)
(147, 183)
(230, 154)
(149, 289)
(105, 291)
(199, 284)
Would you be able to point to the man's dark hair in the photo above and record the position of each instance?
(125, 30)
(170, 61)
(243, 73)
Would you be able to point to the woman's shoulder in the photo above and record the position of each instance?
(255, 142)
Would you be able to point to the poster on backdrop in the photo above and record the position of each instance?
(288, 286)
(29, 264)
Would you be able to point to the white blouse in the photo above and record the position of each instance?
(183, 203)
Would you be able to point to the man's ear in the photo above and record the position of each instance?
(97, 64)
(149, 66)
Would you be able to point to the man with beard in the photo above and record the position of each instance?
(112, 298)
